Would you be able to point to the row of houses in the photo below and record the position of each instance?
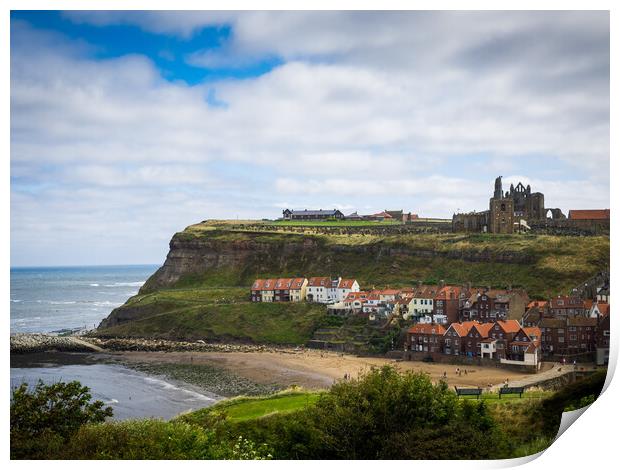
(503, 340)
(563, 326)
(298, 289)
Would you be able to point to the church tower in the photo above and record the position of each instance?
(498, 194)
(501, 210)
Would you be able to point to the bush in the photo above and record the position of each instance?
(140, 440)
(385, 414)
(42, 420)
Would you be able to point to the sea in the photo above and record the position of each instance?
(64, 299)
(53, 299)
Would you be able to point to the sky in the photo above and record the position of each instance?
(126, 127)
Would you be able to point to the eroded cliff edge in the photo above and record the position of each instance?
(206, 256)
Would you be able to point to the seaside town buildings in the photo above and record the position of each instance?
(445, 320)
(316, 289)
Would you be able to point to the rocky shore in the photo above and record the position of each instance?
(31, 343)
(37, 343)
(142, 344)
(216, 380)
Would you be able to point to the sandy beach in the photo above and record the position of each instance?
(317, 369)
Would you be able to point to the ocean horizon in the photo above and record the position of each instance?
(47, 299)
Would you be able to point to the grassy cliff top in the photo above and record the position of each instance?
(572, 253)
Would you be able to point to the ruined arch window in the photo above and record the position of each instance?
(503, 207)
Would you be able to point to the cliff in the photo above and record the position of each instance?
(207, 256)
(211, 266)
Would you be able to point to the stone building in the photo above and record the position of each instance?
(505, 210)
(527, 205)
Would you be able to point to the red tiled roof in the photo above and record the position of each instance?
(425, 292)
(537, 303)
(509, 326)
(590, 214)
(603, 308)
(383, 214)
(283, 283)
(461, 328)
(444, 293)
(389, 292)
(346, 283)
(532, 331)
(427, 329)
(298, 283)
(269, 284)
(319, 282)
(351, 296)
(483, 328)
(258, 284)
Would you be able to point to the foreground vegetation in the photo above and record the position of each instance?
(383, 415)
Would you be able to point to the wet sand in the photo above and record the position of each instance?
(316, 369)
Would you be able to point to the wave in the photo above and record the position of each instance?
(94, 284)
(16, 300)
(169, 386)
(57, 302)
(126, 284)
(106, 303)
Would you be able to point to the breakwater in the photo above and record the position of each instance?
(33, 343)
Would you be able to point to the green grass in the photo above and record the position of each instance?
(333, 223)
(542, 264)
(190, 319)
(246, 408)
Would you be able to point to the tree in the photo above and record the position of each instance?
(44, 418)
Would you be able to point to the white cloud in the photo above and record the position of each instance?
(419, 111)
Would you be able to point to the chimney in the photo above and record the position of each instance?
(442, 283)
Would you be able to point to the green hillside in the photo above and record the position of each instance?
(202, 290)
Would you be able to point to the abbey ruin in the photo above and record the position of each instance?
(508, 212)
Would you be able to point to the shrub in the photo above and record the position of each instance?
(384, 414)
(44, 418)
(145, 439)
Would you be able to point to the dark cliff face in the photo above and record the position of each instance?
(200, 260)
(199, 256)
